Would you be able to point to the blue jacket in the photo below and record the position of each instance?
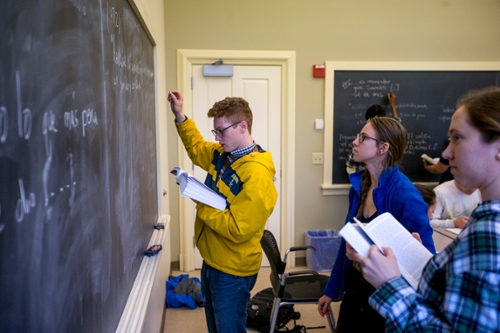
(395, 194)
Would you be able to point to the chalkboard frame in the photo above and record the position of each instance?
(328, 187)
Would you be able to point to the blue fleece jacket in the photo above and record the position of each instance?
(395, 194)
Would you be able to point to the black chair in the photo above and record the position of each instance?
(300, 287)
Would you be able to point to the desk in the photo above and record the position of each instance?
(442, 237)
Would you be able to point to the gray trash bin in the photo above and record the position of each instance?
(326, 243)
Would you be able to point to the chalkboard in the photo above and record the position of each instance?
(425, 103)
(78, 164)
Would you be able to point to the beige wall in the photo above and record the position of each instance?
(319, 31)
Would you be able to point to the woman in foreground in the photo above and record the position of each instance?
(460, 286)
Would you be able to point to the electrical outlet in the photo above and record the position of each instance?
(317, 158)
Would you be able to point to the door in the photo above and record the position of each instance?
(261, 87)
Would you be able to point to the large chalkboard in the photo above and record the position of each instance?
(425, 103)
(78, 164)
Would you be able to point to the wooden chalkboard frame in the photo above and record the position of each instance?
(332, 66)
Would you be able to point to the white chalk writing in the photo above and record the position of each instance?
(71, 119)
(394, 87)
(447, 109)
(382, 81)
(346, 84)
(72, 185)
(46, 168)
(418, 142)
(89, 117)
(445, 119)
(24, 116)
(411, 106)
(49, 122)
(4, 124)
(24, 203)
(131, 62)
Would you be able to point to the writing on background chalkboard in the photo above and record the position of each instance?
(78, 180)
(425, 102)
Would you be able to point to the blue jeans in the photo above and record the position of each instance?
(226, 297)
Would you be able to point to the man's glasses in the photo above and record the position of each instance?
(361, 137)
(220, 132)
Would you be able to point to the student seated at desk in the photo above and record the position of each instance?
(454, 204)
(429, 197)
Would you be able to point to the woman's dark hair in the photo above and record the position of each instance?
(427, 193)
(391, 131)
(374, 111)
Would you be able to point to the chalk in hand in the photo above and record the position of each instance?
(153, 250)
(429, 159)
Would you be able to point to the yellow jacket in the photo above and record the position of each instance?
(229, 240)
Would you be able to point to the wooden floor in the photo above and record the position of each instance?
(185, 320)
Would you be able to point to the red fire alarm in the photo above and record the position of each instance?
(319, 71)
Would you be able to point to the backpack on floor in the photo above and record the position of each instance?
(259, 312)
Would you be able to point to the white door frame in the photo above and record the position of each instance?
(286, 59)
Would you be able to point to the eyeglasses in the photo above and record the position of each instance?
(220, 132)
(361, 137)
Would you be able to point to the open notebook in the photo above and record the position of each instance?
(192, 188)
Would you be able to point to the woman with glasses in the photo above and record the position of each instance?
(381, 187)
(375, 110)
(460, 286)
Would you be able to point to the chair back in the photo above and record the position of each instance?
(271, 249)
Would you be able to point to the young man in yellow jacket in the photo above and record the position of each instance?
(229, 240)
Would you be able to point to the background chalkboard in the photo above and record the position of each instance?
(78, 169)
(425, 103)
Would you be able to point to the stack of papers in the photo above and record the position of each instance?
(192, 188)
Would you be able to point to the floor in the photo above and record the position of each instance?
(185, 320)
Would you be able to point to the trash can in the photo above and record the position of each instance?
(326, 243)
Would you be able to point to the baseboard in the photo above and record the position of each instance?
(146, 302)
(175, 266)
(300, 261)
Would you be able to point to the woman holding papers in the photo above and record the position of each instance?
(460, 287)
(378, 189)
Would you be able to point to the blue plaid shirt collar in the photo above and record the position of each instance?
(243, 151)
